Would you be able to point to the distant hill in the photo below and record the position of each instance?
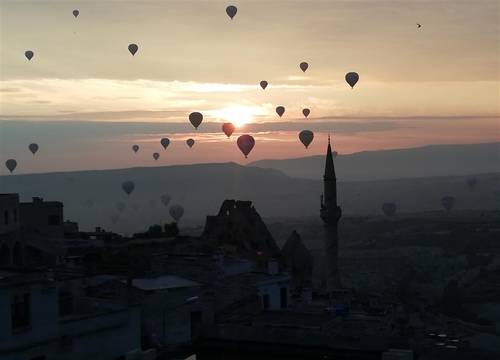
(92, 197)
(433, 160)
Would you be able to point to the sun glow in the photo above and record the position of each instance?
(238, 115)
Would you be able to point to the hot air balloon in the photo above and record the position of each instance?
(448, 202)
(176, 211)
(29, 54)
(11, 164)
(135, 148)
(195, 118)
(128, 187)
(76, 13)
(120, 206)
(165, 199)
(306, 112)
(280, 110)
(306, 137)
(303, 66)
(352, 78)
(471, 182)
(165, 142)
(389, 209)
(156, 156)
(246, 144)
(33, 148)
(231, 11)
(263, 84)
(228, 129)
(133, 48)
(190, 142)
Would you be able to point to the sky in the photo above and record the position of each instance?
(86, 100)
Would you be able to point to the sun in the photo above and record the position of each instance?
(238, 115)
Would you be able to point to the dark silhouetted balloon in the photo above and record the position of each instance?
(195, 118)
(165, 142)
(448, 202)
(352, 78)
(472, 182)
(304, 66)
(306, 112)
(246, 144)
(29, 54)
(190, 142)
(263, 84)
(228, 129)
(231, 11)
(280, 110)
(76, 13)
(135, 148)
(306, 137)
(128, 187)
(389, 209)
(120, 206)
(156, 156)
(11, 164)
(176, 211)
(133, 48)
(33, 148)
(165, 199)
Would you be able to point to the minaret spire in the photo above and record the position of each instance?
(330, 214)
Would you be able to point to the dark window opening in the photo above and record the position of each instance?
(6, 217)
(284, 297)
(265, 301)
(65, 303)
(14, 212)
(195, 324)
(20, 310)
(54, 220)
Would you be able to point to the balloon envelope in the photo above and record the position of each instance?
(228, 129)
(11, 164)
(246, 144)
(195, 118)
(231, 10)
(76, 13)
(165, 142)
(352, 78)
(306, 137)
(156, 156)
(133, 48)
(135, 148)
(389, 209)
(280, 110)
(306, 112)
(29, 54)
(448, 202)
(33, 148)
(190, 142)
(303, 66)
(263, 84)
(165, 199)
(128, 187)
(176, 211)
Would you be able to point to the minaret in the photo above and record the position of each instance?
(330, 214)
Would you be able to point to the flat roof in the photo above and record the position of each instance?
(163, 282)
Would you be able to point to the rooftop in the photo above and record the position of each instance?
(163, 282)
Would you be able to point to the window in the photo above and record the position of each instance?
(284, 297)
(53, 220)
(20, 310)
(265, 301)
(14, 213)
(6, 217)
(65, 303)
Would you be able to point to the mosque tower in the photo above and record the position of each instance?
(330, 214)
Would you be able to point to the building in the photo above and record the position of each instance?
(44, 218)
(11, 249)
(42, 318)
(330, 214)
